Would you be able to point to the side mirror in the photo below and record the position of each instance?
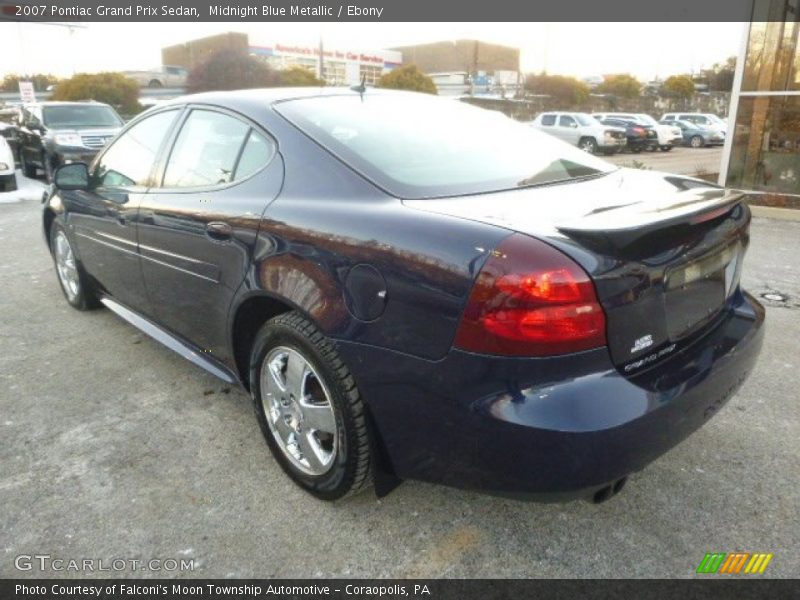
(74, 176)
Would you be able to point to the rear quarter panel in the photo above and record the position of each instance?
(328, 219)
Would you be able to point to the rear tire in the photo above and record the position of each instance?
(295, 375)
(74, 282)
(8, 183)
(666, 148)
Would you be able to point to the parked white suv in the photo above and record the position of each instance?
(668, 135)
(582, 130)
(705, 120)
(8, 175)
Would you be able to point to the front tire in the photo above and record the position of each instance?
(48, 167)
(309, 408)
(588, 145)
(697, 142)
(73, 280)
(28, 169)
(666, 148)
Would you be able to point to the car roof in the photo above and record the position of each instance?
(62, 103)
(259, 97)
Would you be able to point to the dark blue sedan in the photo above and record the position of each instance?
(411, 287)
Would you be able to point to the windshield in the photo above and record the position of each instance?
(585, 119)
(647, 120)
(80, 116)
(716, 119)
(419, 146)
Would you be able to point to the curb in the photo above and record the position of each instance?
(772, 212)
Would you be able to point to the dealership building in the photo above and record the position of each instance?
(763, 152)
(340, 66)
(466, 66)
(347, 66)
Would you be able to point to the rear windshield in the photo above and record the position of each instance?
(419, 146)
(80, 116)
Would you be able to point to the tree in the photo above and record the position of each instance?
(679, 86)
(41, 81)
(231, 69)
(408, 77)
(299, 76)
(621, 85)
(112, 88)
(567, 90)
(720, 76)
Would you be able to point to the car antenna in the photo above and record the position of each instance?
(361, 87)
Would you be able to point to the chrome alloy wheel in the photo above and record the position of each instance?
(66, 266)
(298, 410)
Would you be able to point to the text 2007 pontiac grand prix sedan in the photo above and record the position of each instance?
(410, 287)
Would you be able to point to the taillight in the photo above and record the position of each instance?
(638, 131)
(531, 300)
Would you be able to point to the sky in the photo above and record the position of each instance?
(577, 49)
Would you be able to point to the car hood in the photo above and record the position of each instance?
(623, 200)
(87, 130)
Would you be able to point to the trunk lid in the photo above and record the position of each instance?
(664, 251)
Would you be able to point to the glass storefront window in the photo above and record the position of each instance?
(766, 145)
(773, 49)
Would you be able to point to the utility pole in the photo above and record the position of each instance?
(321, 59)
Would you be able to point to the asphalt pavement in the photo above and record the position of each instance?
(113, 447)
(681, 160)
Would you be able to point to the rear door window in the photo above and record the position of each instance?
(548, 120)
(206, 151)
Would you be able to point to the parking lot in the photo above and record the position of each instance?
(682, 160)
(111, 446)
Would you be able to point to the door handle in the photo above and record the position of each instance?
(218, 230)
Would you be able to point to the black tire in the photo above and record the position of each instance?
(636, 149)
(350, 471)
(666, 148)
(8, 183)
(697, 141)
(588, 144)
(85, 298)
(28, 169)
(48, 167)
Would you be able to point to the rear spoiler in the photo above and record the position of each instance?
(621, 226)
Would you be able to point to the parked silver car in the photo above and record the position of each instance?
(582, 130)
(668, 135)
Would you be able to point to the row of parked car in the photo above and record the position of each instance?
(610, 133)
(42, 136)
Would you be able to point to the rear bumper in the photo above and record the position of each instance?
(547, 428)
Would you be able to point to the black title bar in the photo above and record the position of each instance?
(711, 588)
(379, 10)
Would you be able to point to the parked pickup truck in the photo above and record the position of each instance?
(165, 76)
